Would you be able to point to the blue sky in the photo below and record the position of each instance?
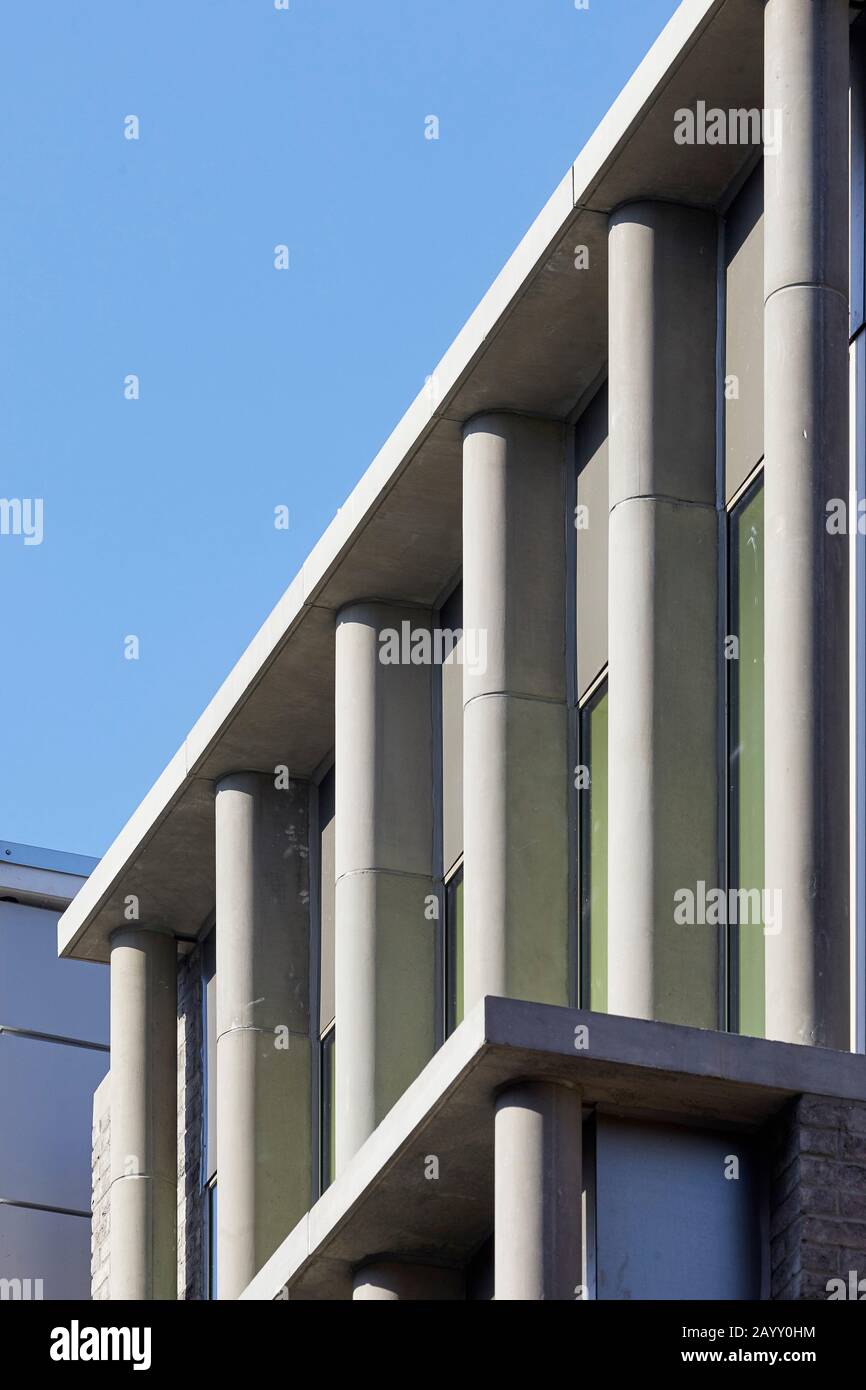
(258, 388)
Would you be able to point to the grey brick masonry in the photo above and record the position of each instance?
(817, 1197)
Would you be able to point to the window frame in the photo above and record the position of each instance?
(327, 1051)
(738, 503)
(319, 1087)
(595, 693)
(453, 881)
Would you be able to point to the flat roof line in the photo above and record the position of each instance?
(426, 412)
(35, 857)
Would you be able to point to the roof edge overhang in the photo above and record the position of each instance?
(493, 363)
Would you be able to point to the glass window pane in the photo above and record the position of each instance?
(744, 332)
(327, 894)
(451, 672)
(857, 239)
(746, 756)
(593, 852)
(591, 539)
(328, 1128)
(454, 949)
(209, 1039)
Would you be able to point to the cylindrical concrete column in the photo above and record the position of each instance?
(538, 1192)
(665, 648)
(143, 1242)
(385, 903)
(806, 569)
(515, 782)
(394, 1281)
(264, 1145)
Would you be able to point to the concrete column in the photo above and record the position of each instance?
(143, 1238)
(515, 782)
(393, 1281)
(264, 1163)
(666, 660)
(806, 569)
(385, 939)
(538, 1193)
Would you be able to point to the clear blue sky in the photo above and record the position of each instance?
(258, 387)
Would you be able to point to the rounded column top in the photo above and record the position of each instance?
(508, 424)
(141, 929)
(374, 609)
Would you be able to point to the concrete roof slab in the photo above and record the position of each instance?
(535, 343)
(719, 61)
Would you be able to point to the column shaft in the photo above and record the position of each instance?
(264, 1144)
(538, 1193)
(515, 784)
(665, 657)
(806, 569)
(143, 1242)
(385, 946)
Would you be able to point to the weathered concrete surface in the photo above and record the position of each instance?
(385, 935)
(536, 343)
(806, 569)
(143, 1194)
(515, 783)
(538, 1182)
(263, 1047)
(665, 657)
(392, 1281)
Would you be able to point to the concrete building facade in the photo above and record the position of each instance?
(499, 930)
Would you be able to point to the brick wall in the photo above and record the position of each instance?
(817, 1197)
(191, 1273)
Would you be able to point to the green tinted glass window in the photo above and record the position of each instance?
(746, 759)
(454, 950)
(328, 1127)
(593, 851)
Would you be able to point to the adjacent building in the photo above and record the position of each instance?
(53, 1053)
(498, 930)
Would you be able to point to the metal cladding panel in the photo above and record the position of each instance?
(40, 992)
(46, 1104)
(672, 1222)
(327, 827)
(49, 1249)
